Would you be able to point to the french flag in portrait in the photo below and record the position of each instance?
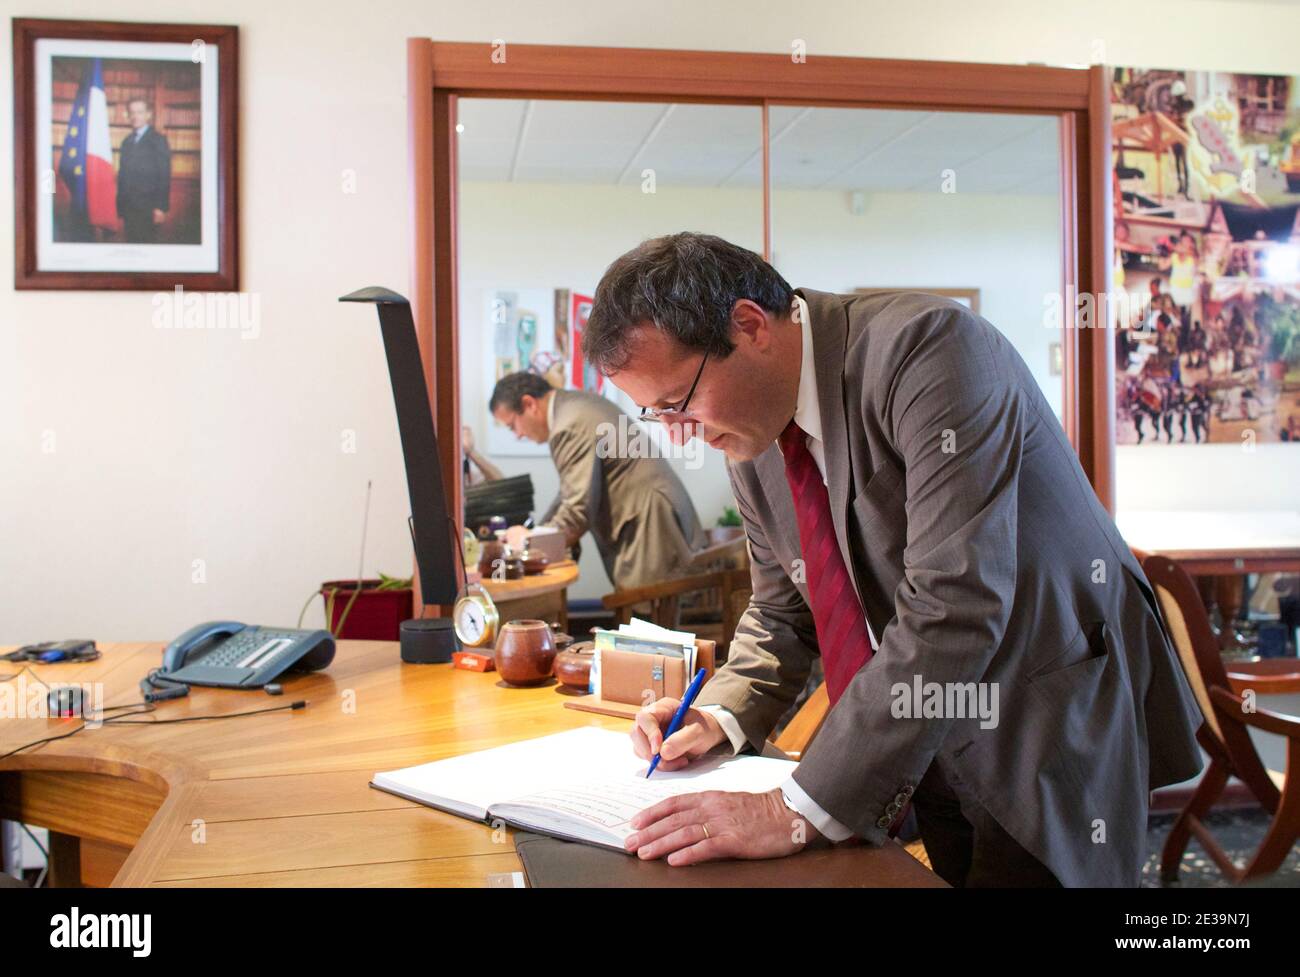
(87, 164)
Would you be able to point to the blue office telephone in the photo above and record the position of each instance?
(243, 656)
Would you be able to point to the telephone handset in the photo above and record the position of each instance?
(193, 640)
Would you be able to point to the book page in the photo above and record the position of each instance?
(472, 782)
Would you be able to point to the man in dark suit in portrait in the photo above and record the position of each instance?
(144, 176)
(993, 653)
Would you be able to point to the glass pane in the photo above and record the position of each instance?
(551, 192)
(963, 203)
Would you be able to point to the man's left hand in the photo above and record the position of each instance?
(739, 825)
(158, 216)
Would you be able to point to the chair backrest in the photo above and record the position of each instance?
(1189, 627)
(1198, 650)
(801, 729)
(729, 554)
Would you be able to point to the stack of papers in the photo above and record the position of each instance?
(645, 637)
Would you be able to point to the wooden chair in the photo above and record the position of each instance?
(799, 732)
(720, 572)
(1224, 736)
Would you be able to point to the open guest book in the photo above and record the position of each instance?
(582, 785)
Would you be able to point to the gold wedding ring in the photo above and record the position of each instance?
(706, 829)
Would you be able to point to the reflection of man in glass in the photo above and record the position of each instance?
(144, 176)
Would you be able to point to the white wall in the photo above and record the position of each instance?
(172, 447)
(1006, 245)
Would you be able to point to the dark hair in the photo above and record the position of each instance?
(686, 285)
(512, 387)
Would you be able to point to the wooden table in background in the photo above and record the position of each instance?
(1268, 676)
(280, 799)
(544, 596)
(1218, 548)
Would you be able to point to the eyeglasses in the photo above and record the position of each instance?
(674, 415)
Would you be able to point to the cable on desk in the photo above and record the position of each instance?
(122, 721)
(117, 721)
(48, 739)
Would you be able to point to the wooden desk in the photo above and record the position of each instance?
(544, 596)
(279, 799)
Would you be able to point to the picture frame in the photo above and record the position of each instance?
(125, 156)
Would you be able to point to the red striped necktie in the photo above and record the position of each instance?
(842, 634)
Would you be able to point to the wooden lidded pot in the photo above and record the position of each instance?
(525, 652)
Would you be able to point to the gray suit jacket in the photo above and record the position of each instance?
(636, 507)
(980, 554)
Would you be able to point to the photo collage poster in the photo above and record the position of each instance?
(1206, 179)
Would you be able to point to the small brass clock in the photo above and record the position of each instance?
(476, 618)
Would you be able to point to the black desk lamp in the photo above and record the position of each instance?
(424, 640)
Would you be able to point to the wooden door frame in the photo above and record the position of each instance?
(439, 72)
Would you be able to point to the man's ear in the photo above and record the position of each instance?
(750, 321)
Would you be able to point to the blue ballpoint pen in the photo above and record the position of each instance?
(696, 684)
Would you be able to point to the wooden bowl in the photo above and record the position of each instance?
(534, 562)
(525, 652)
(573, 666)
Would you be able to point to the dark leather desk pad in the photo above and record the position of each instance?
(550, 863)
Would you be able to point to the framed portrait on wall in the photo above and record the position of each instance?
(125, 155)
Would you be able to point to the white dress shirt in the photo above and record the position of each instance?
(809, 420)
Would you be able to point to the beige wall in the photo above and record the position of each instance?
(172, 447)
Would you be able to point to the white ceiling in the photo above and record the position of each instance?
(610, 143)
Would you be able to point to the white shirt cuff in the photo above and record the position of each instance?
(798, 798)
(730, 725)
(795, 796)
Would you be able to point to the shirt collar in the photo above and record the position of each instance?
(550, 414)
(806, 412)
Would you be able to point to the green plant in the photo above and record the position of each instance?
(1283, 338)
(394, 583)
(1282, 319)
(729, 517)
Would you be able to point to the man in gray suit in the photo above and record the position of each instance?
(636, 507)
(916, 516)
